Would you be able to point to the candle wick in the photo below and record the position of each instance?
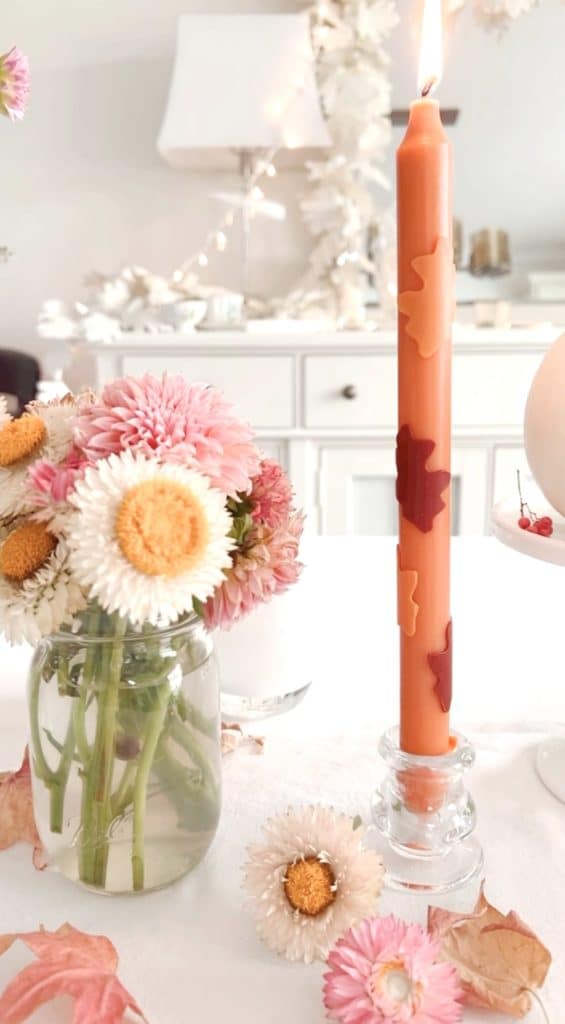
(428, 87)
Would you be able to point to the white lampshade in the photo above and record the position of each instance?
(241, 82)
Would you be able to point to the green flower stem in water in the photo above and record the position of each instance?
(59, 784)
(151, 741)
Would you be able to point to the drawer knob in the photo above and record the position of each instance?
(349, 391)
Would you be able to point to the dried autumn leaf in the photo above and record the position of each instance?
(233, 737)
(497, 956)
(69, 963)
(17, 823)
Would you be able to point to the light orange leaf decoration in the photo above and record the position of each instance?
(430, 310)
(408, 608)
(70, 963)
(17, 823)
(497, 956)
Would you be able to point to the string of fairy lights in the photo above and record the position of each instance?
(263, 167)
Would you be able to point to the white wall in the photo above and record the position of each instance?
(83, 187)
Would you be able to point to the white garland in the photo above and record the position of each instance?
(355, 93)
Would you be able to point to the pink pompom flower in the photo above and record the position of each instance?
(14, 84)
(271, 495)
(384, 971)
(266, 565)
(174, 421)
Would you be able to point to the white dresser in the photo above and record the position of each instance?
(325, 405)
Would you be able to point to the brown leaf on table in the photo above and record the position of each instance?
(17, 823)
(497, 956)
(71, 963)
(233, 737)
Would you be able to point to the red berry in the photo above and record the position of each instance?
(534, 528)
(545, 521)
(523, 522)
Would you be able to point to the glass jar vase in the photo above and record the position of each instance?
(125, 745)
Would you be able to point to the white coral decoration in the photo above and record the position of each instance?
(355, 91)
(42, 603)
(312, 858)
(495, 14)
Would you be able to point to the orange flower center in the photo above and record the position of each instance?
(25, 551)
(310, 886)
(161, 527)
(21, 438)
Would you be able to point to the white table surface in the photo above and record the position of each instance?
(190, 953)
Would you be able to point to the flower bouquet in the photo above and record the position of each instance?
(130, 523)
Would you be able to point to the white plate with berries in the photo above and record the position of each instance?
(539, 533)
(534, 528)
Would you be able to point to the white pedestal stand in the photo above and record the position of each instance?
(550, 757)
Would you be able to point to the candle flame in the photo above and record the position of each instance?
(431, 47)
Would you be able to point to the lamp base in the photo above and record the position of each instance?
(423, 819)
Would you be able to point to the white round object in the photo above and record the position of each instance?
(550, 766)
(269, 652)
(544, 426)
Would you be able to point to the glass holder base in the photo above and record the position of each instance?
(237, 708)
(423, 819)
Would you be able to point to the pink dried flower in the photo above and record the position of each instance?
(271, 494)
(266, 565)
(14, 84)
(174, 421)
(51, 482)
(384, 971)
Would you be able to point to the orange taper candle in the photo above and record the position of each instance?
(425, 313)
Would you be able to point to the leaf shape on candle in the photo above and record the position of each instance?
(418, 490)
(408, 608)
(430, 309)
(17, 823)
(441, 664)
(69, 962)
(497, 956)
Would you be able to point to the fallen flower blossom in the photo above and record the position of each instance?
(233, 737)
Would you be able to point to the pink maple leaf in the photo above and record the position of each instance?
(17, 823)
(69, 962)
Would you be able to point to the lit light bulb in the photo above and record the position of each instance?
(271, 171)
(291, 142)
(202, 259)
(178, 276)
(257, 193)
(221, 241)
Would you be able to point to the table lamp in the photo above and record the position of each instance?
(243, 87)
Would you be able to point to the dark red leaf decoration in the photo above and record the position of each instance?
(441, 664)
(418, 490)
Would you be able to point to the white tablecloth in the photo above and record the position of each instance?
(190, 953)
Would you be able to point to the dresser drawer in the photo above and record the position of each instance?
(350, 391)
(262, 387)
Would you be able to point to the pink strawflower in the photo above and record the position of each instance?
(271, 494)
(266, 565)
(384, 971)
(14, 84)
(49, 485)
(51, 482)
(174, 421)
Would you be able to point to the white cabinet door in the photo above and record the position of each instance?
(356, 484)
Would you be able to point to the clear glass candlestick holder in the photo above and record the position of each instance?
(424, 818)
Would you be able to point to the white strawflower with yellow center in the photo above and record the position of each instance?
(38, 593)
(44, 431)
(310, 880)
(147, 539)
